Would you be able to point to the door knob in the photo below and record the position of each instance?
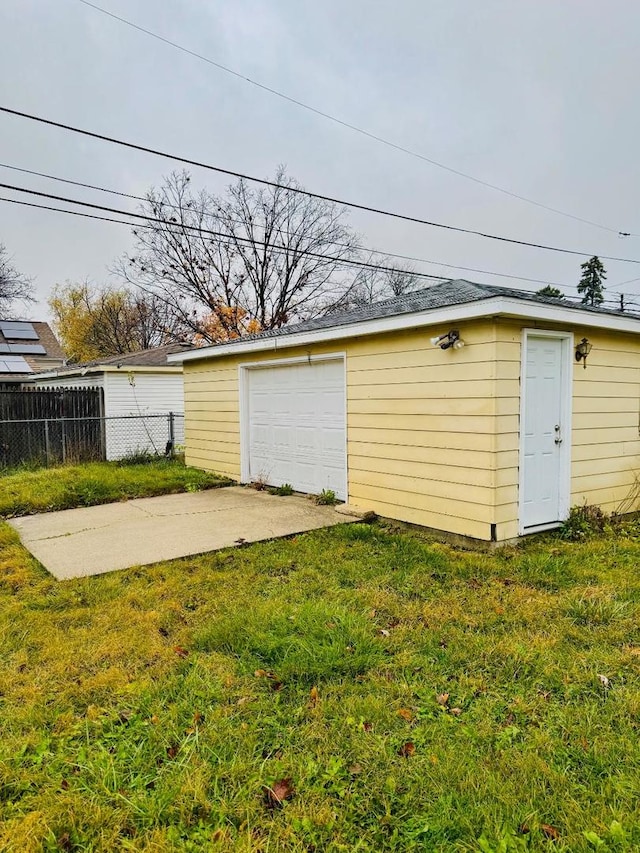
(558, 438)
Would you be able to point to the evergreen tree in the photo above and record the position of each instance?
(591, 284)
(548, 290)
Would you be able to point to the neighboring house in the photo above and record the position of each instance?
(139, 389)
(491, 440)
(26, 347)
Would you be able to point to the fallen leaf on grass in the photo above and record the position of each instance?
(154, 720)
(314, 697)
(549, 831)
(407, 749)
(455, 711)
(442, 698)
(172, 750)
(606, 683)
(523, 829)
(180, 651)
(384, 632)
(280, 791)
(405, 713)
(367, 726)
(64, 842)
(243, 700)
(355, 769)
(220, 835)
(64, 785)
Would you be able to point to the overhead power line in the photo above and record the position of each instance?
(298, 190)
(223, 238)
(627, 302)
(368, 249)
(227, 242)
(360, 130)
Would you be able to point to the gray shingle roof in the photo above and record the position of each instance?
(442, 295)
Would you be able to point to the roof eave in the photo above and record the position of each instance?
(493, 306)
(108, 368)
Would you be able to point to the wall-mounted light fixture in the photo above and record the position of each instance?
(449, 339)
(582, 351)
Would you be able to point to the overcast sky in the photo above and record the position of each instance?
(537, 96)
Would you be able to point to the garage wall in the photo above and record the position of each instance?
(421, 424)
(605, 438)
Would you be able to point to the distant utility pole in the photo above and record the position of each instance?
(622, 301)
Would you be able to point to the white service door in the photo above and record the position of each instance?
(544, 432)
(296, 423)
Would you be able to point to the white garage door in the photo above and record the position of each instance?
(296, 417)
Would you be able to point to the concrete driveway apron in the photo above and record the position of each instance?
(92, 540)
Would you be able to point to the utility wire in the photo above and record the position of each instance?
(308, 193)
(93, 216)
(331, 242)
(223, 238)
(348, 125)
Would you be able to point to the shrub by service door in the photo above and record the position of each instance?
(295, 426)
(545, 430)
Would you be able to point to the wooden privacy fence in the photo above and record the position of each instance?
(51, 425)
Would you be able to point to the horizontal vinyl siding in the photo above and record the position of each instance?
(151, 394)
(606, 403)
(420, 424)
(426, 417)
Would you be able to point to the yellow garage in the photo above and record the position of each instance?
(477, 410)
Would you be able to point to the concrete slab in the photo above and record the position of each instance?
(89, 541)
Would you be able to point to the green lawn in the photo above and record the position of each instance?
(46, 489)
(354, 689)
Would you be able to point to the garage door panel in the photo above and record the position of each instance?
(297, 426)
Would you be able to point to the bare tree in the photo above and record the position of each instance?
(14, 286)
(372, 284)
(253, 259)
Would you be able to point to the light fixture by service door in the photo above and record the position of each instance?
(582, 351)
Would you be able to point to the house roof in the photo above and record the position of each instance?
(44, 337)
(155, 357)
(452, 300)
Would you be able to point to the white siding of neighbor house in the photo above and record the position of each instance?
(131, 410)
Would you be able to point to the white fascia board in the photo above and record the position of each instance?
(141, 368)
(569, 316)
(63, 373)
(495, 306)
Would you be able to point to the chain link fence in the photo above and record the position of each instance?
(59, 441)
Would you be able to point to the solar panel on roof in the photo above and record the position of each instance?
(18, 331)
(22, 349)
(14, 364)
